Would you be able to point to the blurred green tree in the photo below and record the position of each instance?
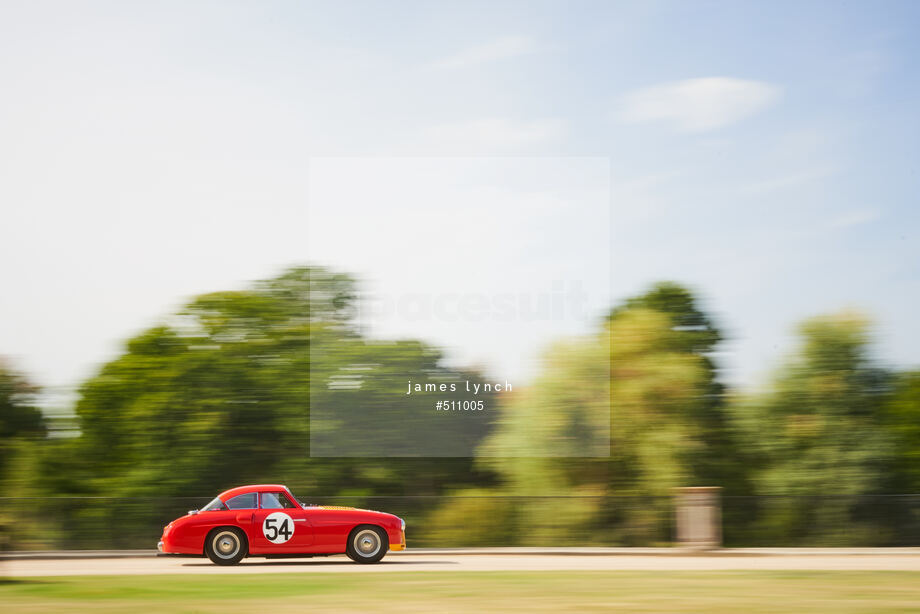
(19, 416)
(689, 334)
(817, 433)
(648, 376)
(902, 421)
(219, 395)
(21, 425)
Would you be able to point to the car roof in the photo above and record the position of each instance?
(242, 490)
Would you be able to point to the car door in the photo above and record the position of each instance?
(242, 509)
(279, 526)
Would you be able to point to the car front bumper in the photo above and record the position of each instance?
(402, 542)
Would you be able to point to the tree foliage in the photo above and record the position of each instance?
(19, 416)
(646, 385)
(902, 422)
(818, 431)
(219, 395)
(271, 382)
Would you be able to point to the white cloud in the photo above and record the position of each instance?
(493, 135)
(788, 180)
(855, 218)
(698, 105)
(499, 49)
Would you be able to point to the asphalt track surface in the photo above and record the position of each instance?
(65, 564)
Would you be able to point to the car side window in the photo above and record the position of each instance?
(243, 502)
(275, 501)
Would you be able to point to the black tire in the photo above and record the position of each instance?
(367, 543)
(226, 546)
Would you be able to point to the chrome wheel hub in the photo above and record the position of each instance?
(367, 543)
(226, 545)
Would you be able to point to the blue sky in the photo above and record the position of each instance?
(763, 153)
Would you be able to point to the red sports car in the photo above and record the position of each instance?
(266, 520)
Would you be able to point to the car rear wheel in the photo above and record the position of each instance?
(226, 546)
(367, 544)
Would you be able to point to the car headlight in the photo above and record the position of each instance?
(403, 527)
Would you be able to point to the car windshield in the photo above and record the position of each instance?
(215, 504)
(299, 502)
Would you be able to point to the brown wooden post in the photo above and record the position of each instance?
(698, 517)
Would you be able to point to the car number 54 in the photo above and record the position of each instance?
(278, 527)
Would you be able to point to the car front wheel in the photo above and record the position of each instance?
(367, 544)
(226, 546)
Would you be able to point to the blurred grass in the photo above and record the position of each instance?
(729, 591)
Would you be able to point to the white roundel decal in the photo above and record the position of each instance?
(278, 527)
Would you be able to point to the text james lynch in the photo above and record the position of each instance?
(473, 387)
